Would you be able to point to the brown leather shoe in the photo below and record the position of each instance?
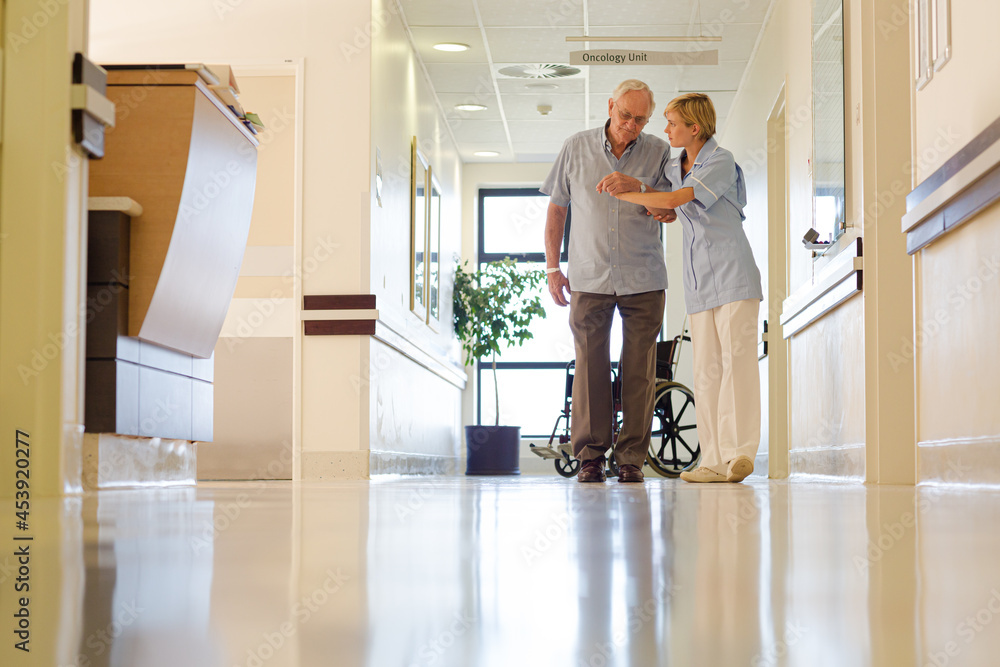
(592, 471)
(630, 473)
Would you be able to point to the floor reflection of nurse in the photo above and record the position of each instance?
(727, 629)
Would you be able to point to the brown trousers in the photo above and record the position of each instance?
(590, 317)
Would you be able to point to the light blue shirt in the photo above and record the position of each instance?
(614, 247)
(718, 263)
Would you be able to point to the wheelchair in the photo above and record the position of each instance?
(673, 447)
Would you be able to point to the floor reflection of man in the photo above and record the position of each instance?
(622, 596)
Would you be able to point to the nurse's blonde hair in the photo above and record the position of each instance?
(695, 109)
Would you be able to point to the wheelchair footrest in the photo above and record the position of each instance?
(546, 452)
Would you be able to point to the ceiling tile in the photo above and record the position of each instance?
(566, 86)
(709, 15)
(460, 78)
(661, 80)
(537, 13)
(439, 12)
(541, 131)
(724, 76)
(530, 45)
(527, 153)
(479, 131)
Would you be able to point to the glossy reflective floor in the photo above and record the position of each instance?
(513, 571)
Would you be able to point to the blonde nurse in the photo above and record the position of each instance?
(721, 288)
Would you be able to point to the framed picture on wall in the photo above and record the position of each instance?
(433, 251)
(419, 174)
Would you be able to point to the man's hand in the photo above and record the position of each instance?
(617, 183)
(557, 283)
(662, 214)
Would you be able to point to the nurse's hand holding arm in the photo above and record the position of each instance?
(659, 203)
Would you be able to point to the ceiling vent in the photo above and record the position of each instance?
(546, 71)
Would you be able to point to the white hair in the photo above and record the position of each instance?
(634, 84)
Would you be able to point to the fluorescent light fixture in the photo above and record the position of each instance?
(451, 46)
(470, 107)
(486, 154)
(633, 38)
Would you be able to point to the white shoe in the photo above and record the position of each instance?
(702, 475)
(739, 468)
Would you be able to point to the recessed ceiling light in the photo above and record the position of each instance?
(486, 154)
(470, 107)
(451, 46)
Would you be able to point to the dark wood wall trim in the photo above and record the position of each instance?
(957, 191)
(339, 327)
(338, 302)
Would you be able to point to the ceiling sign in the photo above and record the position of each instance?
(619, 57)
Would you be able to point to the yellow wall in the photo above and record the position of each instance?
(826, 387)
(398, 387)
(962, 98)
(958, 277)
(43, 247)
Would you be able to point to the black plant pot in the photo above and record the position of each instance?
(492, 450)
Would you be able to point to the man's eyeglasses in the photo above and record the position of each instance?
(626, 117)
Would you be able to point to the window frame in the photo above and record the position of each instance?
(483, 257)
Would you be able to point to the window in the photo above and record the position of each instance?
(532, 377)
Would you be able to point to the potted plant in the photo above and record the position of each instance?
(493, 308)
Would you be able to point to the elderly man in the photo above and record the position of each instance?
(615, 261)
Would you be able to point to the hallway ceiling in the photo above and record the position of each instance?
(502, 33)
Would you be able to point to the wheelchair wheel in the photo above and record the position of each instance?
(674, 446)
(567, 467)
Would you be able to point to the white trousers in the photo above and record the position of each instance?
(726, 382)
